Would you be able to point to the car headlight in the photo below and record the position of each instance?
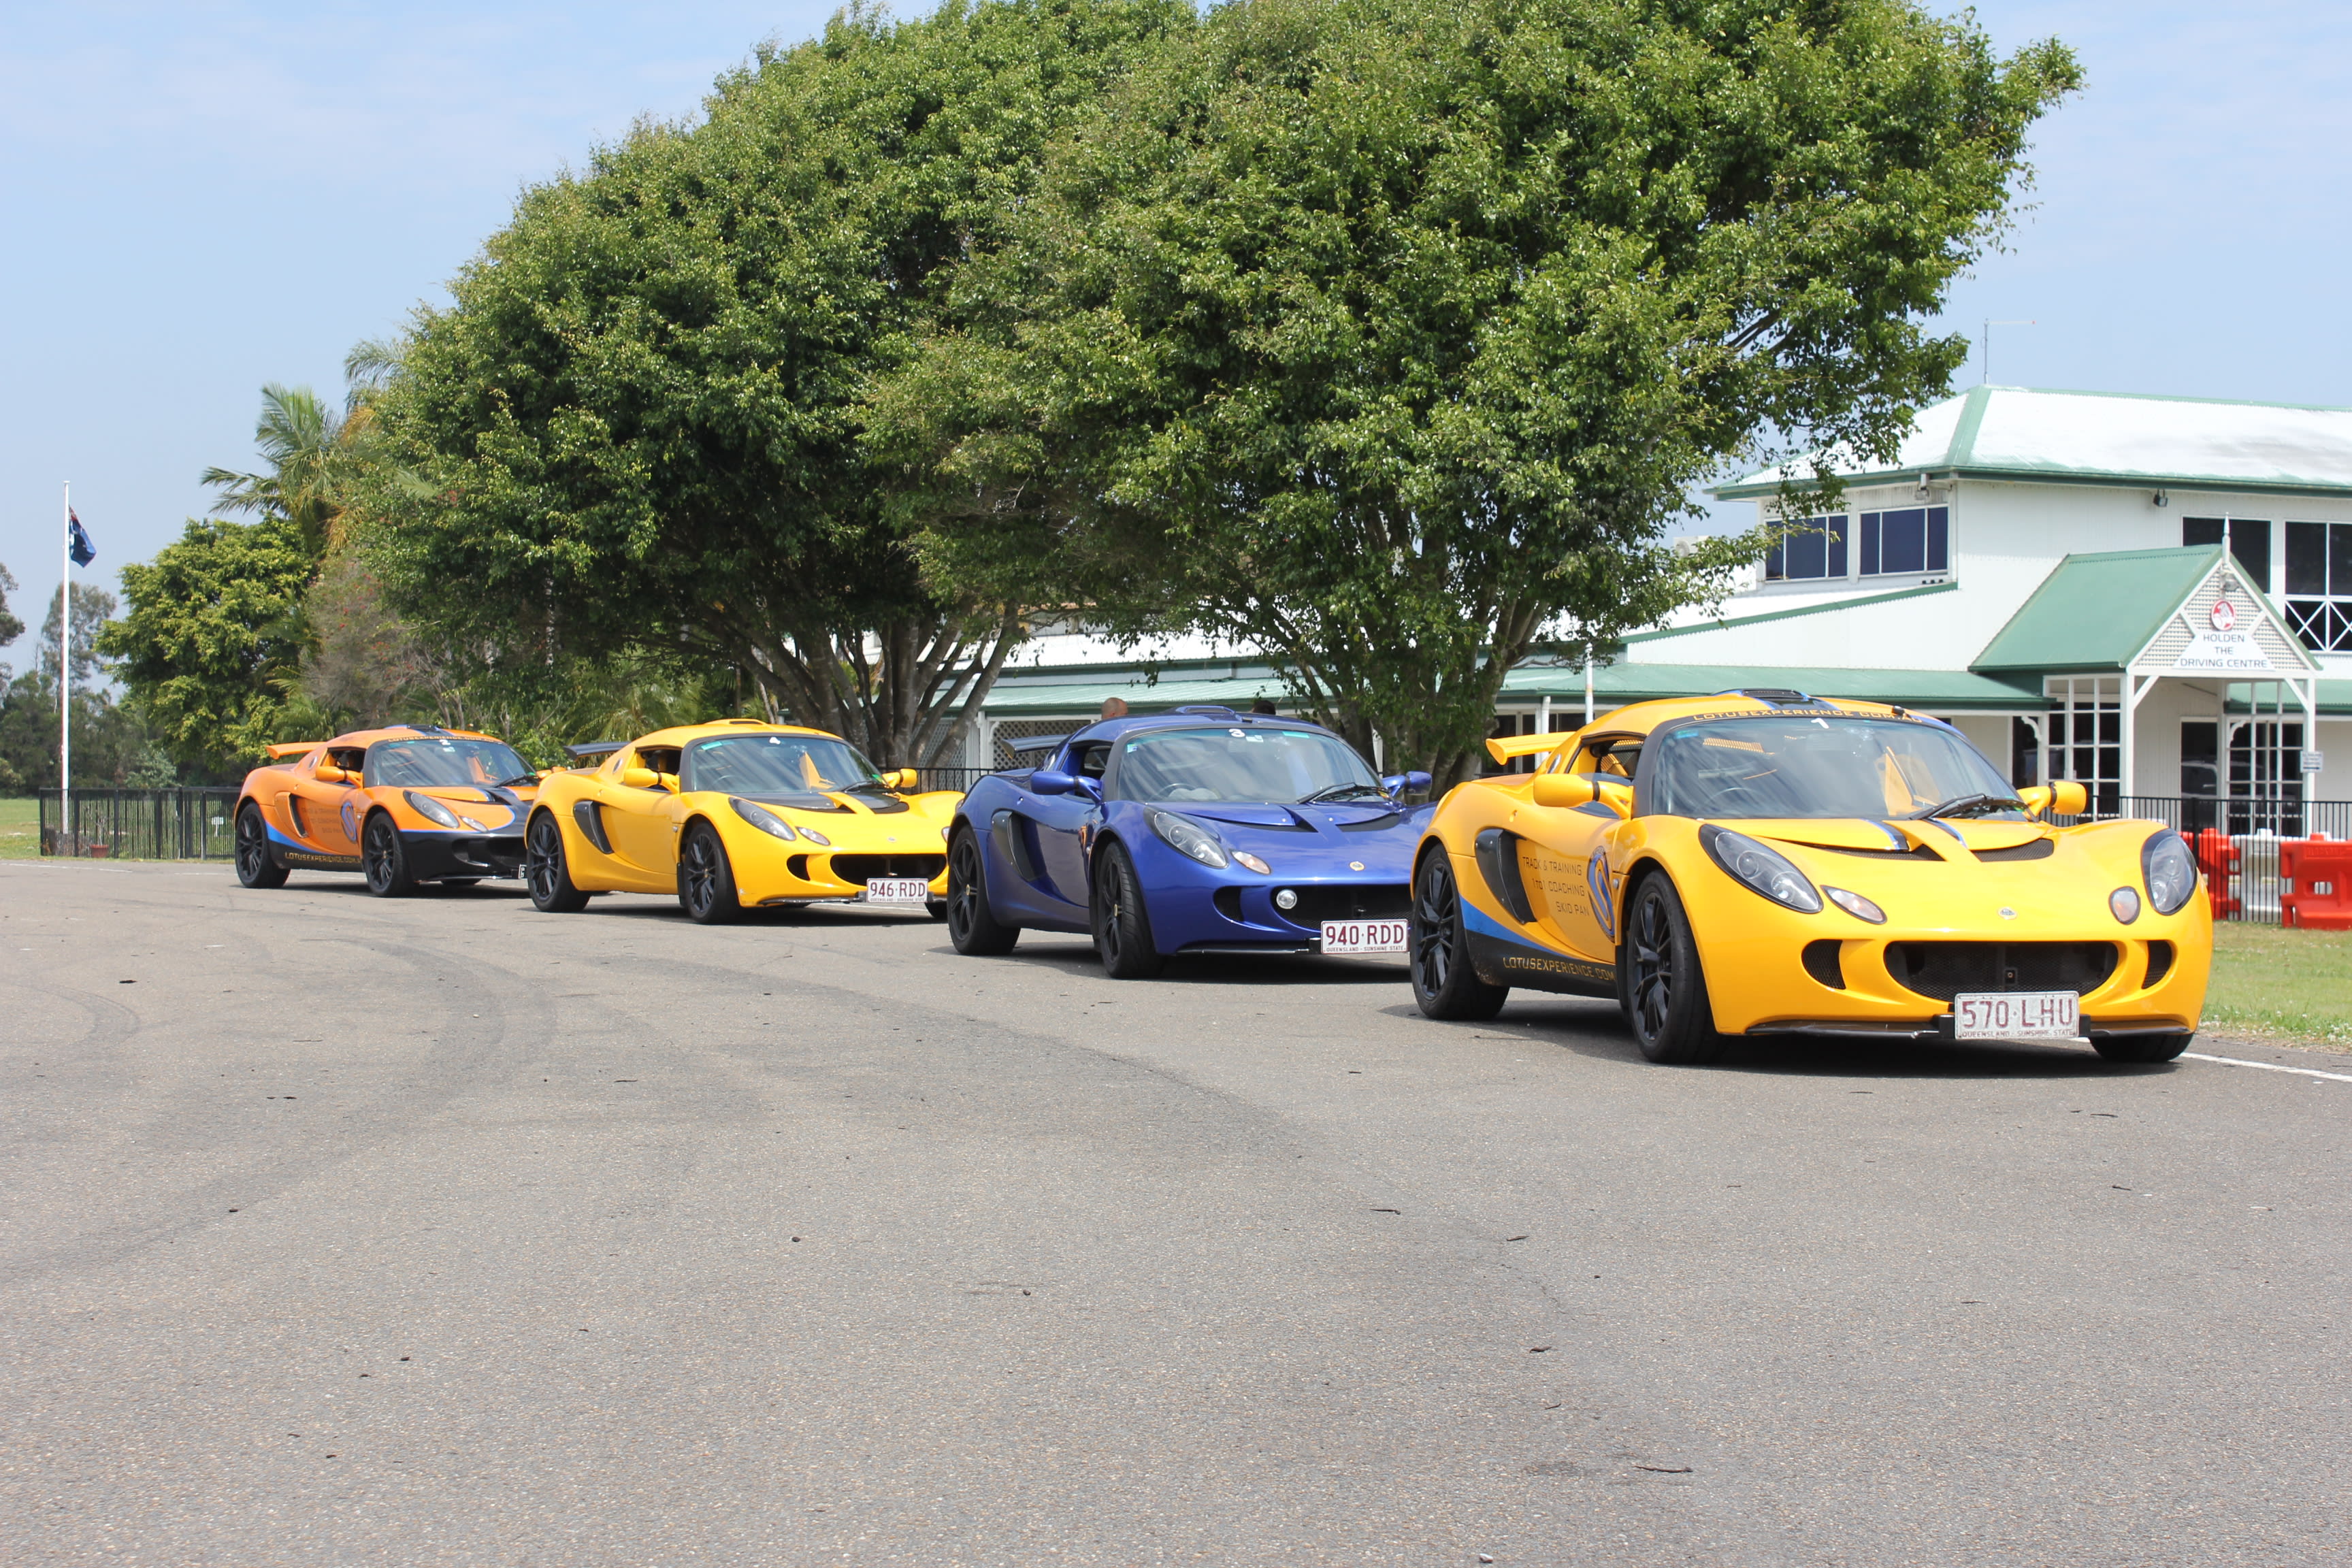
(761, 817)
(814, 836)
(2170, 871)
(1188, 836)
(430, 809)
(1764, 871)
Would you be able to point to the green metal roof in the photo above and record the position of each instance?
(2095, 612)
(2101, 437)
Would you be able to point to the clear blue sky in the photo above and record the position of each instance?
(203, 196)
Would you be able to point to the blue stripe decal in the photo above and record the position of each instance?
(1479, 922)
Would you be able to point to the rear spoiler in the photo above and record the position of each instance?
(1503, 748)
(1028, 743)
(596, 749)
(293, 748)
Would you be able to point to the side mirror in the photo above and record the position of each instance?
(1568, 791)
(327, 772)
(641, 778)
(902, 780)
(1405, 783)
(2066, 797)
(1047, 780)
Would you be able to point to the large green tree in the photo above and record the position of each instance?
(641, 420)
(1398, 331)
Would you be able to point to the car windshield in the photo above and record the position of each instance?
(1243, 764)
(443, 760)
(775, 765)
(1788, 764)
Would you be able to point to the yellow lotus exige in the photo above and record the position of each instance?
(735, 815)
(1763, 862)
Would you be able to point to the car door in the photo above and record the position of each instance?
(343, 806)
(1565, 858)
(641, 821)
(1065, 823)
(314, 810)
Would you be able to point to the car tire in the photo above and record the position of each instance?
(256, 863)
(1437, 947)
(706, 879)
(1122, 926)
(383, 858)
(546, 870)
(972, 925)
(2142, 1047)
(1660, 985)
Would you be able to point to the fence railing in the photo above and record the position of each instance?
(142, 823)
(2237, 840)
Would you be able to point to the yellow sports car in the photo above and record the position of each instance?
(735, 815)
(1763, 862)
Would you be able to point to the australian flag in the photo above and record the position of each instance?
(82, 551)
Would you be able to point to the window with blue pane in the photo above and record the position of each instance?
(1813, 547)
(1916, 540)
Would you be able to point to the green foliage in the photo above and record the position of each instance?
(214, 638)
(1395, 332)
(11, 628)
(314, 457)
(640, 422)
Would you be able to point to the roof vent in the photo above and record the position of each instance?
(1778, 696)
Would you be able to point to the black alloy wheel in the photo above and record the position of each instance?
(972, 925)
(383, 859)
(706, 880)
(256, 864)
(1437, 947)
(545, 870)
(1122, 927)
(2142, 1047)
(1659, 983)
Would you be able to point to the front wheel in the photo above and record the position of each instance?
(257, 867)
(2142, 1047)
(1659, 983)
(1122, 926)
(972, 925)
(383, 859)
(547, 872)
(706, 880)
(1438, 949)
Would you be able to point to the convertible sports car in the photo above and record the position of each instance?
(1201, 830)
(735, 815)
(1762, 862)
(407, 805)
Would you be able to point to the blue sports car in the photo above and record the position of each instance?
(1202, 830)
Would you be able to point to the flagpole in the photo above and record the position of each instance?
(64, 679)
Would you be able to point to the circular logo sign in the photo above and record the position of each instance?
(2224, 615)
(351, 815)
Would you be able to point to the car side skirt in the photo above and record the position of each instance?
(1502, 958)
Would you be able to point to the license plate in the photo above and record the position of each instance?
(897, 890)
(2016, 1016)
(1351, 937)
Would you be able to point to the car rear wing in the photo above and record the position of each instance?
(595, 748)
(1028, 745)
(1503, 748)
(285, 749)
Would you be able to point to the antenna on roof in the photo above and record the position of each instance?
(1988, 326)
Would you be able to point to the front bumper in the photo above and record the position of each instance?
(443, 856)
(801, 876)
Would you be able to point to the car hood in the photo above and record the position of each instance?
(1865, 835)
(1342, 832)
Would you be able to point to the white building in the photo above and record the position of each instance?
(2153, 595)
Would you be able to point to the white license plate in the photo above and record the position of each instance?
(1363, 936)
(2016, 1016)
(897, 890)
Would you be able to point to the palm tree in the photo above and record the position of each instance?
(307, 447)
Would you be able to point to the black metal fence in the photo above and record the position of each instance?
(2237, 840)
(142, 823)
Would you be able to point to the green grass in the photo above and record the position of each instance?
(2273, 981)
(20, 827)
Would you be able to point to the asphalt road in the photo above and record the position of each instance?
(346, 1232)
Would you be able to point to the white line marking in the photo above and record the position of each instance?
(2268, 1067)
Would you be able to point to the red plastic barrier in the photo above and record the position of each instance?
(2319, 875)
(2217, 858)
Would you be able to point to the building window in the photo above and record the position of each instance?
(2086, 735)
(2320, 585)
(1911, 542)
(2024, 753)
(1812, 547)
(2200, 773)
(2266, 778)
(2250, 543)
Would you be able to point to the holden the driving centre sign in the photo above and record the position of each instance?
(2222, 647)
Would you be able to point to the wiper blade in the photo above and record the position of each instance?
(1341, 792)
(518, 779)
(1965, 806)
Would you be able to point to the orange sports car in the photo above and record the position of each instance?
(401, 805)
